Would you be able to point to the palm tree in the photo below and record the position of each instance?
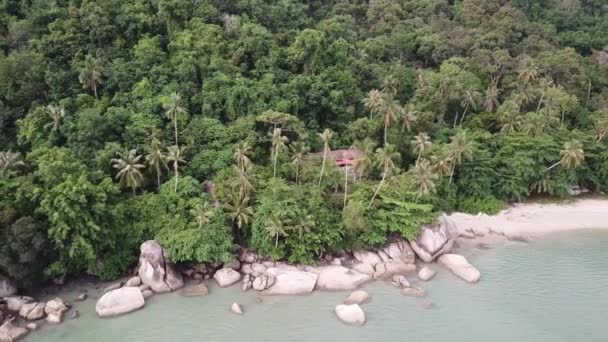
(527, 72)
(239, 210)
(156, 159)
(326, 138)
(442, 163)
(241, 156)
(298, 151)
(385, 158)
(390, 110)
(572, 155)
(469, 102)
(56, 113)
(275, 228)
(128, 166)
(173, 107)
(363, 161)
(600, 128)
(373, 102)
(460, 149)
(91, 75)
(422, 142)
(389, 86)
(202, 213)
(424, 178)
(303, 224)
(408, 117)
(243, 182)
(491, 98)
(544, 84)
(278, 145)
(174, 155)
(9, 161)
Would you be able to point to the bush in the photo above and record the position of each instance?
(488, 205)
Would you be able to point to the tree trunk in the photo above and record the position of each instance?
(176, 175)
(297, 175)
(562, 122)
(323, 166)
(276, 243)
(345, 184)
(95, 90)
(158, 178)
(385, 132)
(452, 173)
(542, 97)
(175, 128)
(419, 155)
(464, 113)
(554, 165)
(377, 189)
(274, 163)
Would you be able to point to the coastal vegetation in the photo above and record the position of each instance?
(211, 124)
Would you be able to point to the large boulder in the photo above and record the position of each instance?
(16, 302)
(32, 311)
(399, 250)
(226, 277)
(357, 297)
(10, 332)
(364, 268)
(6, 287)
(350, 314)
(367, 257)
(56, 305)
(291, 282)
(133, 282)
(460, 266)
(435, 240)
(339, 278)
(263, 282)
(119, 301)
(156, 270)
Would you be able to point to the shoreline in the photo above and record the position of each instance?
(534, 220)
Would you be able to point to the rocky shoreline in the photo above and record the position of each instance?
(400, 263)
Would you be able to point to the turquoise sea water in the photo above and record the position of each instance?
(550, 290)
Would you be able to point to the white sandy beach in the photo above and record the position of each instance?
(534, 219)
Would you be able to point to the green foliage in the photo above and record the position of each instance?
(489, 205)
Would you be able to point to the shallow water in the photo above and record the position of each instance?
(548, 290)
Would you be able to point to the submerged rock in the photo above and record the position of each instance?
(195, 291)
(56, 305)
(426, 274)
(413, 292)
(236, 308)
(147, 293)
(155, 268)
(82, 297)
(291, 282)
(119, 301)
(350, 314)
(339, 278)
(460, 266)
(391, 268)
(357, 297)
(55, 317)
(400, 281)
(435, 240)
(226, 277)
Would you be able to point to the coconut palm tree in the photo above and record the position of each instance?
(460, 149)
(491, 98)
(56, 113)
(544, 84)
(363, 161)
(441, 163)
(202, 213)
(469, 102)
(241, 156)
(326, 138)
(156, 159)
(600, 128)
(384, 158)
(91, 75)
(408, 117)
(275, 228)
(303, 224)
(527, 71)
(373, 102)
(278, 145)
(243, 183)
(389, 86)
(128, 166)
(174, 155)
(572, 155)
(390, 112)
(238, 209)
(298, 151)
(424, 178)
(9, 161)
(422, 143)
(173, 107)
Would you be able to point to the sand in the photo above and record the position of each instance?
(521, 221)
